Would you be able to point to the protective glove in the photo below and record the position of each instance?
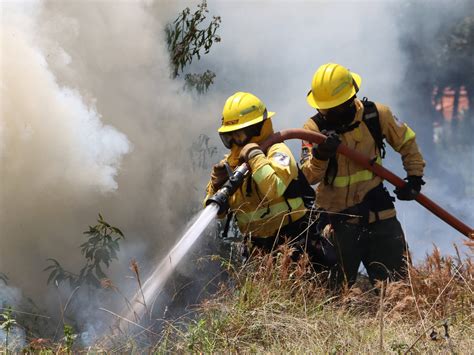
(218, 176)
(327, 149)
(249, 151)
(411, 189)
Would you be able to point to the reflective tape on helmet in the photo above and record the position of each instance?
(264, 172)
(363, 175)
(269, 212)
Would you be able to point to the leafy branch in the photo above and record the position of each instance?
(186, 39)
(69, 338)
(4, 278)
(201, 82)
(99, 250)
(201, 152)
(6, 324)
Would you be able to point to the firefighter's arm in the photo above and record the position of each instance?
(313, 169)
(402, 138)
(274, 172)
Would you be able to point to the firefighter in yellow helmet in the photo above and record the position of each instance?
(345, 189)
(272, 203)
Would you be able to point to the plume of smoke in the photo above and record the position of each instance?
(90, 122)
(55, 147)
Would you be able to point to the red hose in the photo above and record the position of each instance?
(369, 164)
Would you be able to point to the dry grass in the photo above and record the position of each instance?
(276, 305)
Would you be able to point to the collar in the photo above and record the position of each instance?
(359, 110)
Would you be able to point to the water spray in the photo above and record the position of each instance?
(217, 204)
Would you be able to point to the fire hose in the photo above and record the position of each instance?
(236, 179)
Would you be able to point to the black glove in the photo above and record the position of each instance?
(327, 149)
(411, 189)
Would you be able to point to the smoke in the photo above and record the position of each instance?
(55, 149)
(91, 121)
(450, 163)
(80, 149)
(10, 296)
(273, 48)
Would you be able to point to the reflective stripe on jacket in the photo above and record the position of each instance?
(352, 181)
(261, 210)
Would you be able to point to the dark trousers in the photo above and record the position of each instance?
(380, 246)
(304, 236)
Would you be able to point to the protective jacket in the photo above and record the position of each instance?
(260, 205)
(352, 182)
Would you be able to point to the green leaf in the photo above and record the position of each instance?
(118, 231)
(54, 261)
(113, 253)
(51, 277)
(98, 271)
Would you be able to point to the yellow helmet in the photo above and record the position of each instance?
(242, 110)
(332, 85)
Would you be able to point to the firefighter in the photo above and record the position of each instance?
(360, 213)
(272, 203)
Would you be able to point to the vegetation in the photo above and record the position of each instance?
(69, 338)
(99, 250)
(202, 153)
(201, 82)
(457, 45)
(189, 38)
(7, 323)
(439, 56)
(4, 278)
(272, 304)
(275, 305)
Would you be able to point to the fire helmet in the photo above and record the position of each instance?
(332, 85)
(242, 110)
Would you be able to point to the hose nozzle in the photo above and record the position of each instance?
(221, 197)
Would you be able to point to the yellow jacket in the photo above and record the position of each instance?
(261, 208)
(352, 181)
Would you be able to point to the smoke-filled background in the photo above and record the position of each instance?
(92, 120)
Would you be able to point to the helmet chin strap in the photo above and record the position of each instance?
(356, 87)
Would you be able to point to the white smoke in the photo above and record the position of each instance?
(58, 137)
(91, 121)
(51, 138)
